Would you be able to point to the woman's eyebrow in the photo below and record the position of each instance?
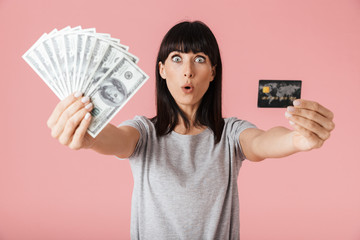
(176, 52)
(200, 53)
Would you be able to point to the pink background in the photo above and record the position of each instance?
(50, 192)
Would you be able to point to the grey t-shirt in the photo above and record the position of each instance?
(185, 186)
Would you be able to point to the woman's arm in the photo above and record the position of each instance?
(312, 126)
(119, 141)
(70, 120)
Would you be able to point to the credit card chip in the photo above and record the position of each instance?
(266, 89)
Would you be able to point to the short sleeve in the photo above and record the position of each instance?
(234, 128)
(140, 124)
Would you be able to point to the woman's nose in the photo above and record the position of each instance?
(189, 71)
(188, 74)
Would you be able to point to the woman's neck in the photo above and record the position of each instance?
(190, 113)
(193, 128)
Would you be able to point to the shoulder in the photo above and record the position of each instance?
(141, 123)
(236, 124)
(234, 127)
(138, 120)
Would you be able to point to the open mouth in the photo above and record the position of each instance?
(188, 88)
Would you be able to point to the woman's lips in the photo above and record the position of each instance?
(188, 88)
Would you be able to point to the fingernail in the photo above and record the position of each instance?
(288, 114)
(87, 116)
(89, 106)
(85, 99)
(291, 109)
(77, 94)
(296, 102)
(291, 122)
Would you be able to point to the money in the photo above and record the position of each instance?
(81, 60)
(113, 91)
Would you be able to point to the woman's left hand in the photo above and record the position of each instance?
(312, 124)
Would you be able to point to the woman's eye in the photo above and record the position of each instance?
(200, 59)
(176, 59)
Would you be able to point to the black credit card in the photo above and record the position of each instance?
(278, 93)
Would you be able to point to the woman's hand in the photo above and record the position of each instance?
(312, 124)
(70, 120)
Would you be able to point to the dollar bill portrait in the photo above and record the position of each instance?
(112, 92)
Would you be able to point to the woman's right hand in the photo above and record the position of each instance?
(70, 120)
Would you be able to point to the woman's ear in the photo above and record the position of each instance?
(213, 72)
(162, 70)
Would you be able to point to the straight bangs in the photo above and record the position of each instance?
(188, 37)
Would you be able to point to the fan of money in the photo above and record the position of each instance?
(81, 60)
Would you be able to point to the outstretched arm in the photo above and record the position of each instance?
(70, 120)
(312, 125)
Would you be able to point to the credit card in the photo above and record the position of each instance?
(278, 93)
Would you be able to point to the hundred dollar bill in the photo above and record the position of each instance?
(31, 58)
(80, 48)
(65, 30)
(59, 51)
(111, 57)
(48, 47)
(96, 57)
(107, 37)
(70, 49)
(113, 91)
(54, 59)
(68, 30)
(87, 65)
(42, 56)
(90, 43)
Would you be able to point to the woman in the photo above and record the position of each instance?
(185, 160)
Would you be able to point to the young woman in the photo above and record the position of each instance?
(185, 160)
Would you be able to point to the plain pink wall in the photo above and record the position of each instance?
(50, 192)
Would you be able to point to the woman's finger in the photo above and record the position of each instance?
(309, 140)
(67, 114)
(314, 106)
(60, 107)
(78, 138)
(72, 124)
(310, 125)
(312, 115)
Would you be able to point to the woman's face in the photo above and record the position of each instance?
(188, 76)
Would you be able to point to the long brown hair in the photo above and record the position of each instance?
(189, 37)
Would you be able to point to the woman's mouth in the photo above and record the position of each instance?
(188, 88)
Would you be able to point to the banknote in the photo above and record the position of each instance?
(53, 57)
(90, 43)
(113, 91)
(80, 50)
(39, 68)
(44, 59)
(59, 50)
(111, 57)
(80, 59)
(70, 49)
(98, 54)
